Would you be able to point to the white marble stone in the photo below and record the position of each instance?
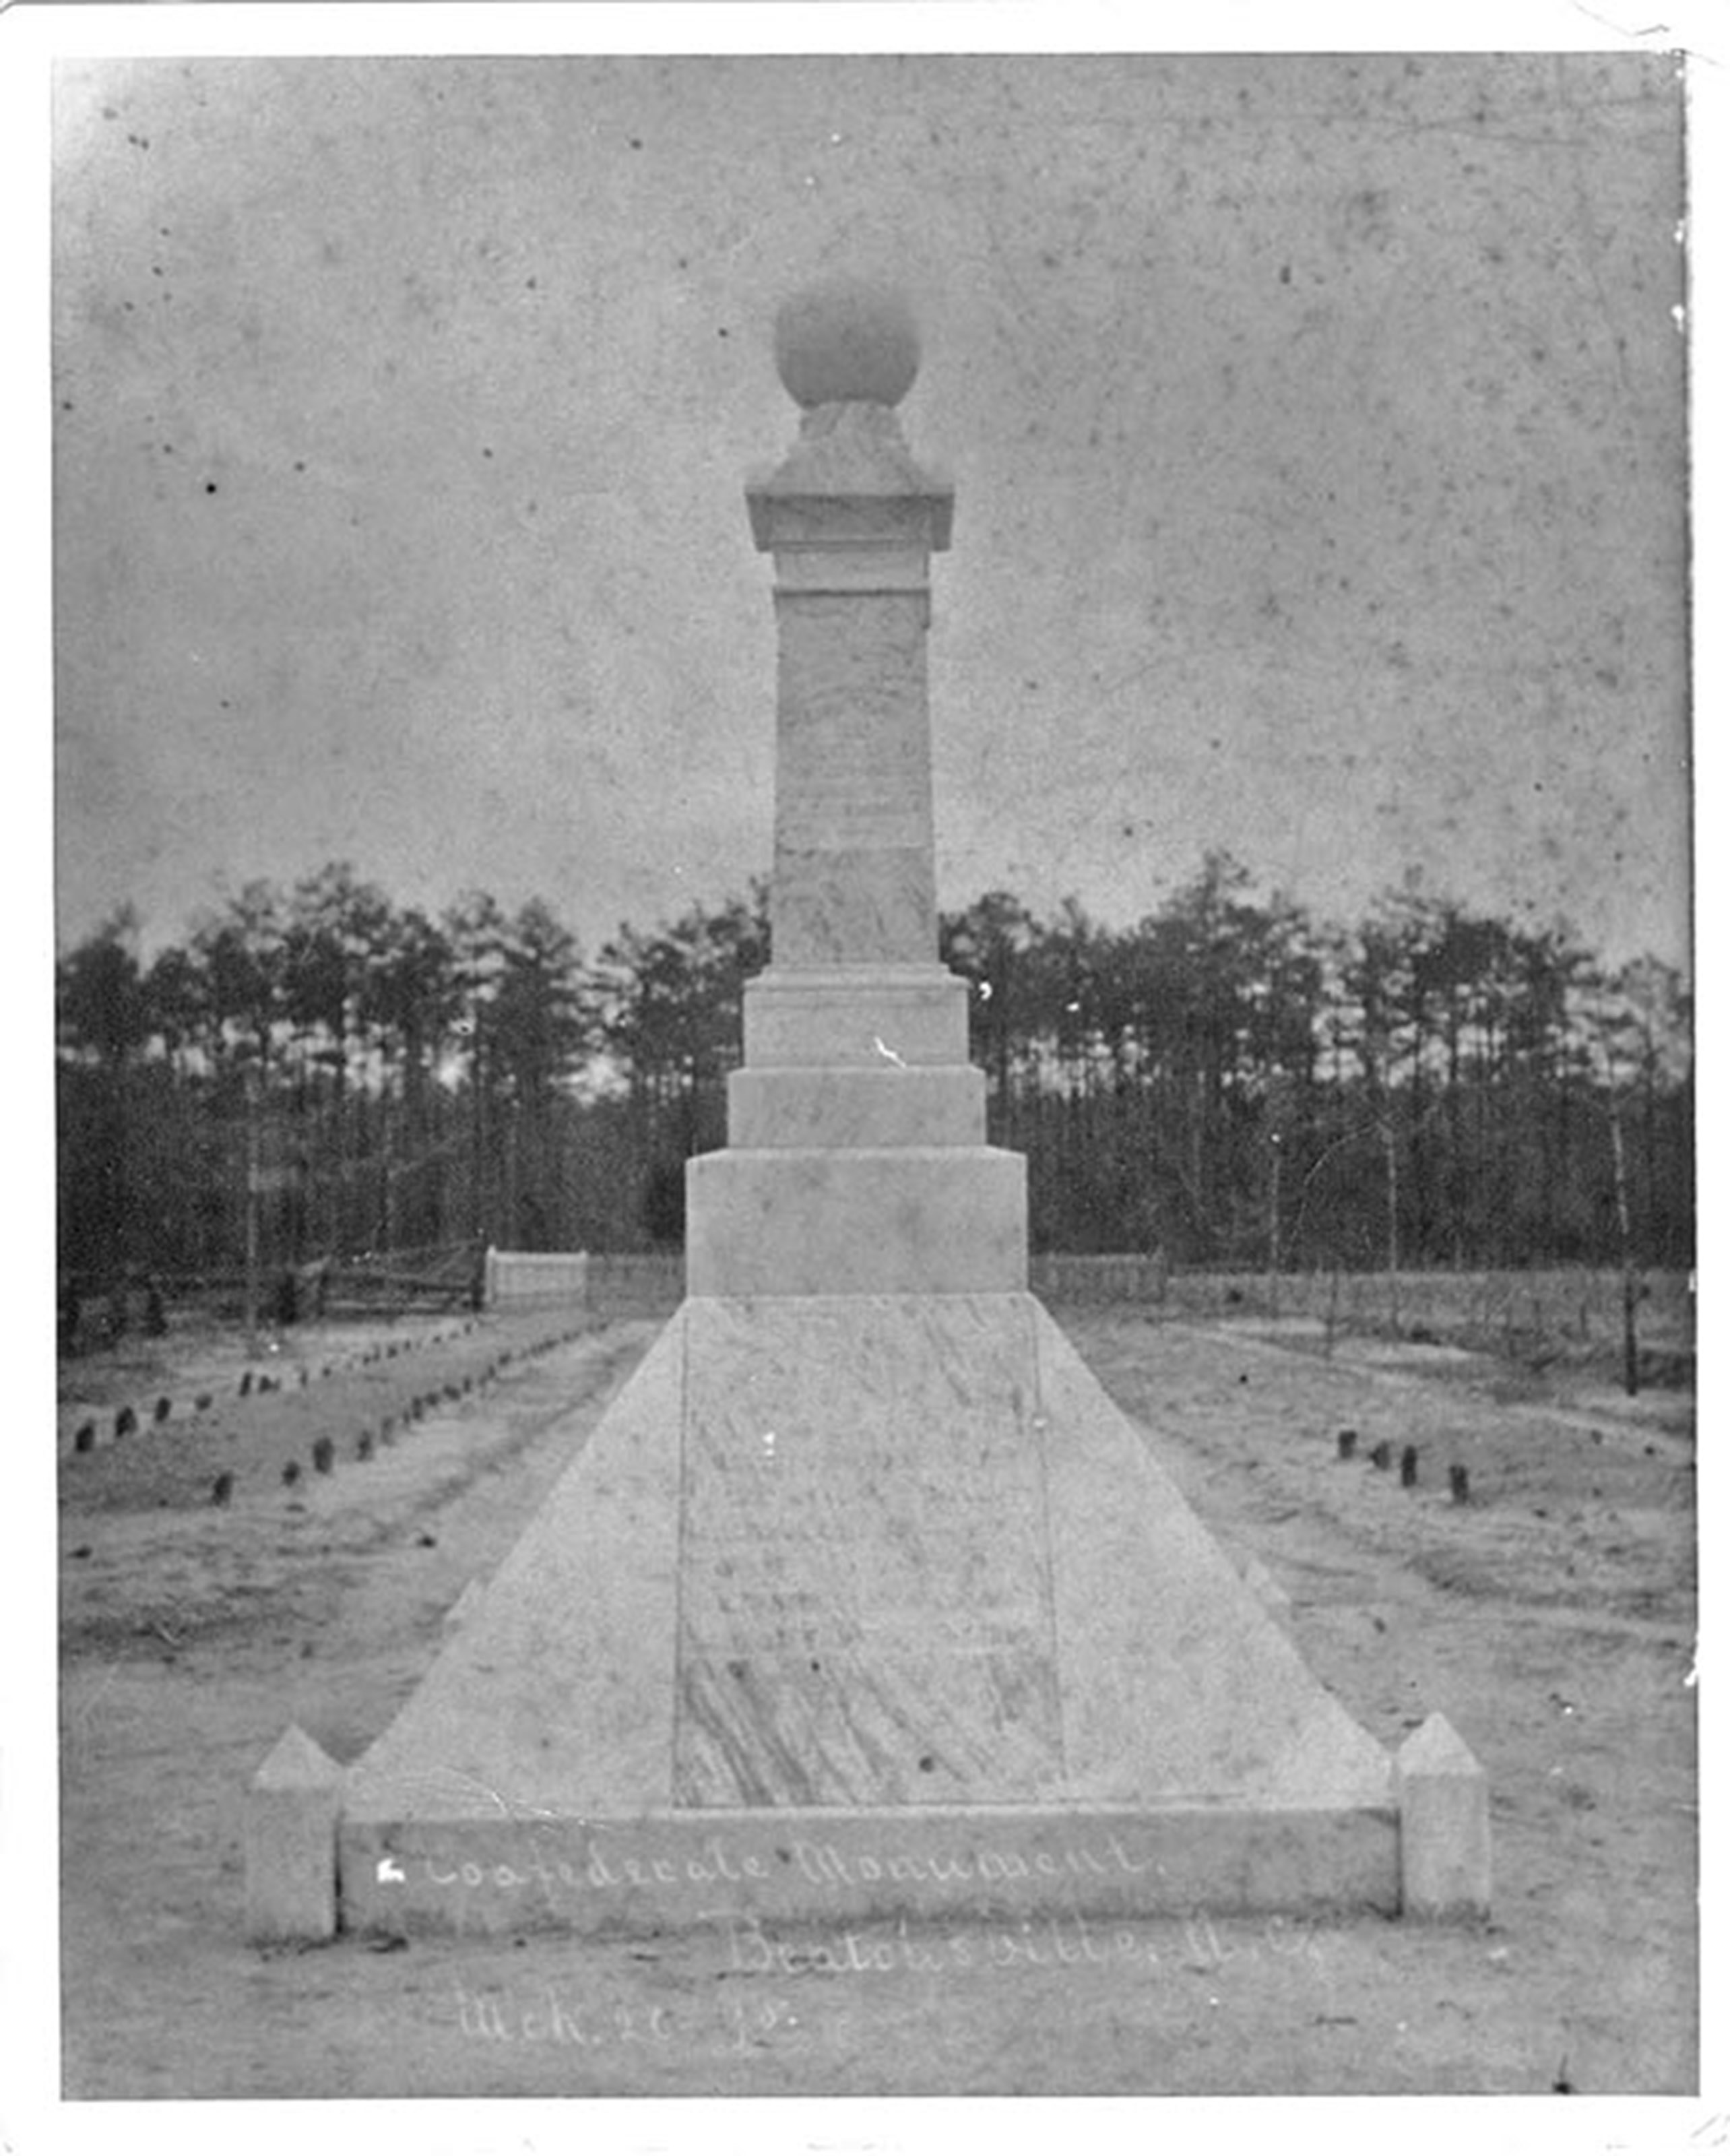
(1444, 1825)
(464, 1607)
(558, 1690)
(849, 480)
(926, 1220)
(1178, 1681)
(1058, 1882)
(1267, 1590)
(289, 1829)
(864, 1562)
(930, 1496)
(893, 1105)
(865, 1599)
(840, 1017)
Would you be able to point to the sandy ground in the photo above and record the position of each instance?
(1552, 1620)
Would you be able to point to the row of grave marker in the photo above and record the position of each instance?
(324, 1449)
(127, 1419)
(1381, 1455)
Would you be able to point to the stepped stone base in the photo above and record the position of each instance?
(923, 1104)
(866, 1221)
(856, 1605)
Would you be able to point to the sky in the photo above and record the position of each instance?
(1316, 423)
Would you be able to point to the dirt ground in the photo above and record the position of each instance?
(1552, 1619)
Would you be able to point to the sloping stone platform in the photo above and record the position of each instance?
(856, 1604)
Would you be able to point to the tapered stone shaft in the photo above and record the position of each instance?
(852, 525)
(856, 1160)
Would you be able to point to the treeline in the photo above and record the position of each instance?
(315, 1072)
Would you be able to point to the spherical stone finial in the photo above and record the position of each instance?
(844, 342)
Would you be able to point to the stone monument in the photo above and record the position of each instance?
(863, 1598)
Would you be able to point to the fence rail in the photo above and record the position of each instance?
(628, 1283)
(1059, 1278)
(1582, 1301)
(1544, 1299)
(1515, 1310)
(610, 1284)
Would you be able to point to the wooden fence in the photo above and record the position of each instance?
(1511, 1308)
(1516, 1311)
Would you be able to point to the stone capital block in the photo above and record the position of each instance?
(849, 480)
(289, 1830)
(1444, 1825)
